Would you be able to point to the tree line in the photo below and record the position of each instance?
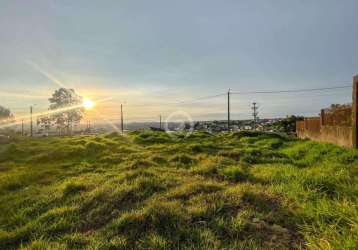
(64, 111)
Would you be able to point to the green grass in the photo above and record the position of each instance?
(152, 191)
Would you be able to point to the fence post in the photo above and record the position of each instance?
(305, 127)
(322, 118)
(355, 112)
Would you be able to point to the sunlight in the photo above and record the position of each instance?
(45, 73)
(88, 104)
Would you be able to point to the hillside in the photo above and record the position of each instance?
(153, 191)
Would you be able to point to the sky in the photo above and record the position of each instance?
(157, 56)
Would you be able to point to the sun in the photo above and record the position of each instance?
(87, 103)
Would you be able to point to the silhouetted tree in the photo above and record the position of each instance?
(67, 109)
(6, 117)
(5, 114)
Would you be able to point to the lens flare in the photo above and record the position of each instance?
(88, 104)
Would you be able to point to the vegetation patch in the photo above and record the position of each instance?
(182, 159)
(149, 190)
(73, 188)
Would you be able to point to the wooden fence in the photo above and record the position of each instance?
(338, 124)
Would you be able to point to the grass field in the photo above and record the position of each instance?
(151, 191)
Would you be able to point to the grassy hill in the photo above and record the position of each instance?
(153, 191)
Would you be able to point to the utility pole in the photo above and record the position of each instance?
(89, 126)
(122, 118)
(160, 121)
(22, 127)
(255, 113)
(31, 133)
(228, 110)
(355, 112)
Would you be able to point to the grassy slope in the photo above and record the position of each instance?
(201, 192)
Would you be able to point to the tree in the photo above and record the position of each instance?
(5, 114)
(287, 125)
(6, 117)
(67, 109)
(45, 122)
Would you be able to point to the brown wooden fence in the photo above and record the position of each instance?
(338, 124)
(337, 116)
(333, 125)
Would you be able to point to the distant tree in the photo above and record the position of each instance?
(45, 122)
(5, 114)
(69, 110)
(6, 117)
(286, 125)
(196, 125)
(187, 126)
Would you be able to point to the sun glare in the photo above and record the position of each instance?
(88, 104)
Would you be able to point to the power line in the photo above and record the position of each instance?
(244, 93)
(176, 103)
(201, 98)
(237, 93)
(289, 91)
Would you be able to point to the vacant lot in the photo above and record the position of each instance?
(152, 191)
